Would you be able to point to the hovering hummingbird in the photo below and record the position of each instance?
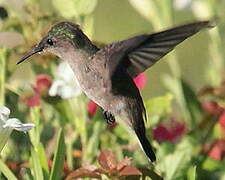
(106, 74)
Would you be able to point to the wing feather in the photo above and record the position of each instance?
(141, 52)
(158, 45)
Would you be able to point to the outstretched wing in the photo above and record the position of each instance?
(140, 52)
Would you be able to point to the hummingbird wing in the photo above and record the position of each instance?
(141, 52)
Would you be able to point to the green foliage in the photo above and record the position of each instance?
(191, 175)
(36, 164)
(158, 107)
(6, 171)
(193, 105)
(2, 76)
(59, 157)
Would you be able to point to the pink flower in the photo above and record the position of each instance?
(43, 83)
(140, 80)
(217, 150)
(171, 134)
(212, 107)
(32, 100)
(221, 120)
(92, 108)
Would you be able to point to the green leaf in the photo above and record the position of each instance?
(174, 85)
(193, 105)
(159, 106)
(79, 118)
(172, 168)
(212, 165)
(64, 109)
(180, 158)
(93, 143)
(121, 130)
(43, 160)
(165, 148)
(38, 156)
(191, 174)
(187, 99)
(4, 136)
(36, 166)
(59, 157)
(6, 171)
(35, 132)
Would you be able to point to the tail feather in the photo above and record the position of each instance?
(136, 121)
(146, 146)
(134, 115)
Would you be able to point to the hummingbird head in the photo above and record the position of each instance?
(62, 38)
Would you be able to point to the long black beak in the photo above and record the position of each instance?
(32, 52)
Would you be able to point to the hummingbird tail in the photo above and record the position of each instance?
(135, 116)
(145, 144)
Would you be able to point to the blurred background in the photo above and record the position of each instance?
(183, 93)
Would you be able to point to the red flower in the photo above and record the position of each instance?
(221, 120)
(43, 83)
(217, 150)
(140, 80)
(160, 133)
(92, 108)
(32, 100)
(212, 107)
(171, 134)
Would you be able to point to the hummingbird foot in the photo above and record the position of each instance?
(110, 119)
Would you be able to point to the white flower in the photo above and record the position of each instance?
(8, 124)
(182, 4)
(66, 85)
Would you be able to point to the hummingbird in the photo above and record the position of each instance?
(106, 74)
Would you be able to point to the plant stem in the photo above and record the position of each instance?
(216, 64)
(2, 75)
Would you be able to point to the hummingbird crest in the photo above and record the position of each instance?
(65, 29)
(70, 32)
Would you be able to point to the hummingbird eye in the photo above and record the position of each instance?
(50, 42)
